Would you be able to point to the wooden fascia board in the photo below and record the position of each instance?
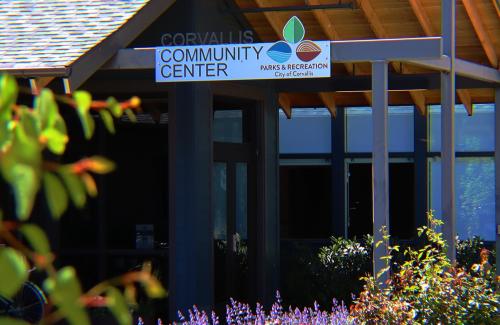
(86, 65)
(481, 32)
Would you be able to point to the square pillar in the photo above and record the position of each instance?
(497, 174)
(190, 181)
(380, 172)
(448, 13)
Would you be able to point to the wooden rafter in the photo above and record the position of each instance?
(329, 100)
(286, 105)
(496, 4)
(378, 29)
(423, 18)
(429, 30)
(332, 34)
(482, 33)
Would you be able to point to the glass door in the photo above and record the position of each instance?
(233, 202)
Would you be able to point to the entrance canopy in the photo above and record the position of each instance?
(477, 41)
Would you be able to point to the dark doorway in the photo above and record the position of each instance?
(305, 196)
(233, 190)
(401, 200)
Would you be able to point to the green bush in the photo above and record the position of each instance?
(427, 289)
(340, 266)
(468, 252)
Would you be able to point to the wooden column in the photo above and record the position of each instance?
(380, 172)
(497, 172)
(190, 181)
(448, 9)
(268, 255)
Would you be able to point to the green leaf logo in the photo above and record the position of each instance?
(294, 31)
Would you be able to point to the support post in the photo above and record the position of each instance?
(448, 12)
(497, 172)
(268, 188)
(380, 172)
(339, 228)
(421, 174)
(190, 182)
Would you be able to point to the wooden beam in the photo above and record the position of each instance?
(485, 39)
(379, 31)
(496, 4)
(332, 34)
(423, 18)
(286, 105)
(329, 100)
(466, 100)
(429, 30)
(37, 84)
(420, 101)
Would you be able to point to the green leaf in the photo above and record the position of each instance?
(83, 101)
(75, 188)
(8, 96)
(36, 237)
(46, 106)
(90, 185)
(25, 184)
(100, 165)
(12, 321)
(56, 141)
(114, 107)
(107, 119)
(13, 271)
(131, 115)
(29, 121)
(57, 198)
(294, 31)
(118, 306)
(65, 291)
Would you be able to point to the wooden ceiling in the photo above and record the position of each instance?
(477, 32)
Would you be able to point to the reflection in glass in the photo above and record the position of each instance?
(359, 129)
(308, 131)
(472, 133)
(220, 201)
(228, 126)
(475, 195)
(241, 200)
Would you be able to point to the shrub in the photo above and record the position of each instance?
(427, 289)
(340, 267)
(468, 252)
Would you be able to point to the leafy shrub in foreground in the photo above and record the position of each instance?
(427, 289)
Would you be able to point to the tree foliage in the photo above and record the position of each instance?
(28, 135)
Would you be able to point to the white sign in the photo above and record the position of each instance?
(280, 60)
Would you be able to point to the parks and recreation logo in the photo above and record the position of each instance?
(293, 33)
(290, 58)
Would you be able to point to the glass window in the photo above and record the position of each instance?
(475, 195)
(228, 126)
(308, 131)
(472, 133)
(359, 129)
